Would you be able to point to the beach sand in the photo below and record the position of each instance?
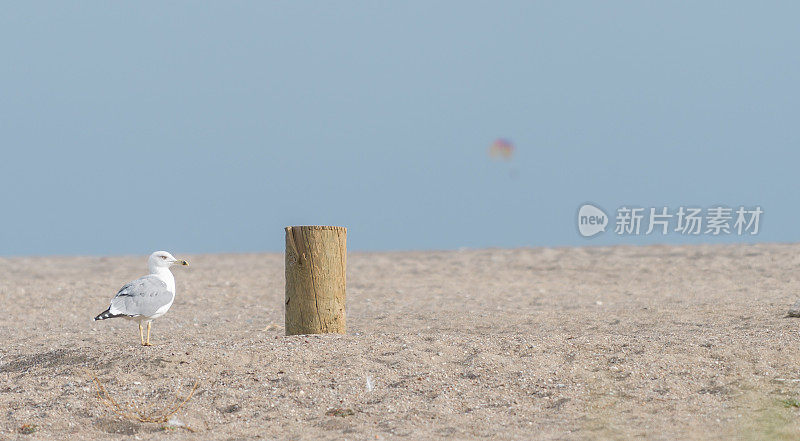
(656, 342)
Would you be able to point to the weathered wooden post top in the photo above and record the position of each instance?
(316, 262)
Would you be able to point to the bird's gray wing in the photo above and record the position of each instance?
(143, 296)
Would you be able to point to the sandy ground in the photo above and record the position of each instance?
(567, 343)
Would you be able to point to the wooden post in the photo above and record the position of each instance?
(316, 259)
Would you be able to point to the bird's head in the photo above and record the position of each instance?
(163, 259)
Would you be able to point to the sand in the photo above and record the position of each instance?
(656, 342)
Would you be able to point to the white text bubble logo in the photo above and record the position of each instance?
(591, 220)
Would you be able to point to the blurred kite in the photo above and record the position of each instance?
(502, 149)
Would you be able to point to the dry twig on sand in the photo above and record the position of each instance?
(143, 414)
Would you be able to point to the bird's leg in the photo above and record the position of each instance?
(148, 334)
(141, 335)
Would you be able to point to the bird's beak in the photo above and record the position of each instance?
(183, 262)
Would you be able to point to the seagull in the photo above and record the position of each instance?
(146, 298)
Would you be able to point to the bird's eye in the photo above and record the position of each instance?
(164, 257)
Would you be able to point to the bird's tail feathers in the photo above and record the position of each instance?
(107, 315)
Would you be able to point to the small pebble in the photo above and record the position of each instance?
(794, 311)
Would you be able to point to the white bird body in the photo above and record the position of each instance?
(166, 276)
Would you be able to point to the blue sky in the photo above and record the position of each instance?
(209, 126)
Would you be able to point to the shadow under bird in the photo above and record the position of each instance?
(146, 298)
